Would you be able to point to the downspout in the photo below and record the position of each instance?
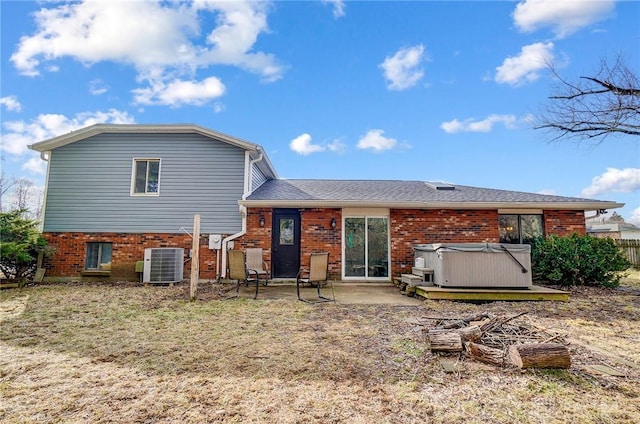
(243, 209)
(598, 213)
(45, 156)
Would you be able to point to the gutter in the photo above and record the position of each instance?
(597, 214)
(243, 209)
(580, 205)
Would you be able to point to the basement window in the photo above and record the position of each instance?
(520, 229)
(98, 257)
(145, 179)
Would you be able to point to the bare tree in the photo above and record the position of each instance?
(594, 107)
(5, 185)
(22, 193)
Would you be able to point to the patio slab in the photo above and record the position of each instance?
(346, 293)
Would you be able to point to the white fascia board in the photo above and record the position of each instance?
(96, 129)
(584, 206)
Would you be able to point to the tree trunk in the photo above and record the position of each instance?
(445, 341)
(485, 354)
(470, 334)
(540, 355)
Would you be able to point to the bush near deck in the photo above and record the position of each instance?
(578, 260)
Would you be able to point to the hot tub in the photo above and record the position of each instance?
(486, 265)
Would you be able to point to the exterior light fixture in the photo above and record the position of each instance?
(261, 221)
(333, 223)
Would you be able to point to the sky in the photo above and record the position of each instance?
(417, 90)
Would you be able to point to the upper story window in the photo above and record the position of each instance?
(518, 229)
(146, 177)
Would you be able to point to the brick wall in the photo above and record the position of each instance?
(316, 235)
(69, 258)
(407, 228)
(564, 223)
(418, 226)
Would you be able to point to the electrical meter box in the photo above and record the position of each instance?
(215, 241)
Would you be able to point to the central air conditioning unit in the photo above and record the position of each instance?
(163, 265)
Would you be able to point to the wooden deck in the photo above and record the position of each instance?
(535, 293)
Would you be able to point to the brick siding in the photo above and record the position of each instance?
(69, 258)
(564, 223)
(407, 228)
(419, 226)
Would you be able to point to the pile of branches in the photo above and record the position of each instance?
(499, 340)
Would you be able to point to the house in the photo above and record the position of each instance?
(614, 230)
(114, 190)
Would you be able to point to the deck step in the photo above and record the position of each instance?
(426, 274)
(411, 279)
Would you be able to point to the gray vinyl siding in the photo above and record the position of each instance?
(257, 178)
(90, 184)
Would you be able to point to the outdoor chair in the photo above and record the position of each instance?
(238, 271)
(255, 262)
(315, 275)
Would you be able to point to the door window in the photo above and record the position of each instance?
(287, 233)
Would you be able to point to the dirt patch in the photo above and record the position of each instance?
(129, 353)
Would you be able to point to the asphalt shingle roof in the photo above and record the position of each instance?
(386, 191)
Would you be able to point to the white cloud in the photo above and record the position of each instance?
(402, 70)
(303, 145)
(177, 93)
(17, 135)
(94, 31)
(376, 141)
(485, 125)
(525, 68)
(617, 180)
(635, 217)
(35, 165)
(218, 107)
(337, 146)
(563, 17)
(11, 103)
(170, 49)
(338, 7)
(97, 87)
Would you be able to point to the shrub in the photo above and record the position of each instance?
(20, 244)
(578, 260)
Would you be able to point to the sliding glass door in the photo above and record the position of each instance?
(366, 248)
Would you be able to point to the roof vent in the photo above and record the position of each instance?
(440, 185)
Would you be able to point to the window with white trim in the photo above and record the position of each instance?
(145, 178)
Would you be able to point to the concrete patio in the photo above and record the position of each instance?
(345, 293)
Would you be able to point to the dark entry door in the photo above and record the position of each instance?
(285, 245)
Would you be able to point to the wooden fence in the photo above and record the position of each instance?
(632, 250)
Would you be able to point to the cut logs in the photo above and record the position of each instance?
(540, 355)
(445, 341)
(499, 341)
(486, 354)
(451, 340)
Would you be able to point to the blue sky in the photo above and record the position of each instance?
(339, 90)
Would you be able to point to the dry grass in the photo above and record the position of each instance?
(134, 354)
